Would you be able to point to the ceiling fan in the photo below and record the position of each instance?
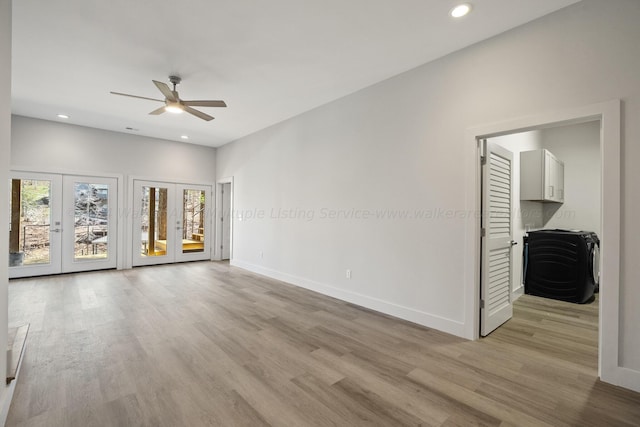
(173, 103)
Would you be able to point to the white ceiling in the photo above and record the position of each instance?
(268, 60)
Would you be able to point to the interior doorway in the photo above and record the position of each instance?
(224, 219)
(542, 179)
(609, 115)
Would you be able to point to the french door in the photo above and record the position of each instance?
(61, 224)
(171, 222)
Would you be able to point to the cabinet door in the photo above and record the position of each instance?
(559, 180)
(550, 172)
(553, 178)
(541, 176)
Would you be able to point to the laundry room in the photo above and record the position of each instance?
(556, 205)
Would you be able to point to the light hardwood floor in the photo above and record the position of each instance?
(208, 344)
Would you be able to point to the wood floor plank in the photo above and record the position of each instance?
(383, 388)
(205, 343)
(477, 401)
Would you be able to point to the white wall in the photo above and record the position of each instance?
(578, 146)
(5, 148)
(527, 215)
(53, 146)
(398, 145)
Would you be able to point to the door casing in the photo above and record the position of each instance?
(59, 264)
(174, 224)
(609, 114)
(220, 225)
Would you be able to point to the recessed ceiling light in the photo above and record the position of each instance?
(185, 137)
(63, 116)
(460, 10)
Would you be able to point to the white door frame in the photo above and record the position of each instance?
(174, 252)
(129, 213)
(608, 113)
(119, 216)
(217, 253)
(122, 216)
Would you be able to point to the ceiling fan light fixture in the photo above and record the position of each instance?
(460, 10)
(174, 107)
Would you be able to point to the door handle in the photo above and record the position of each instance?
(513, 242)
(56, 230)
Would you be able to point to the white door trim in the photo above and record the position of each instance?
(122, 216)
(217, 253)
(609, 114)
(119, 216)
(127, 215)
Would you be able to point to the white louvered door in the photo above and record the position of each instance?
(497, 240)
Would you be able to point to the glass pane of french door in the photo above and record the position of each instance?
(193, 223)
(193, 214)
(90, 223)
(154, 226)
(35, 228)
(153, 230)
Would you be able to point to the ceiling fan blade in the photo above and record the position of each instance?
(136, 96)
(205, 103)
(168, 93)
(158, 111)
(197, 113)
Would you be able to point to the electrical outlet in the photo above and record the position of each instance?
(348, 274)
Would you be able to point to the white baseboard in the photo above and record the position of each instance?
(517, 293)
(406, 313)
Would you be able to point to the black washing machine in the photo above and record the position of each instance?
(562, 264)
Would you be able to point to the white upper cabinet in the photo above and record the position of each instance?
(541, 176)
